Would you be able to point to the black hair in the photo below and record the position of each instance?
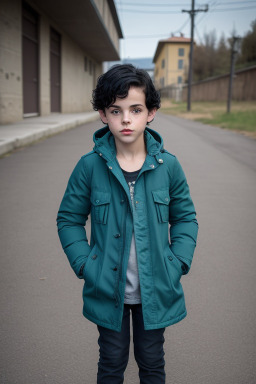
(117, 81)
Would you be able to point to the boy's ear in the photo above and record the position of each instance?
(103, 116)
(151, 114)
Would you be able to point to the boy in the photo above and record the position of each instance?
(133, 189)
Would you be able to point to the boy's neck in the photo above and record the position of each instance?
(131, 158)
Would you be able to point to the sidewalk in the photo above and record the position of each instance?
(27, 131)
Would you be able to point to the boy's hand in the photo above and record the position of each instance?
(81, 270)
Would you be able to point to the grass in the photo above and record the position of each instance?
(242, 117)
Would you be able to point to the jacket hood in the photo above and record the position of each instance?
(105, 142)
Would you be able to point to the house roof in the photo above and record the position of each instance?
(170, 40)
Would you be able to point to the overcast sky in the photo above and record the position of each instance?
(145, 22)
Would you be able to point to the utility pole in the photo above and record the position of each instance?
(192, 13)
(235, 40)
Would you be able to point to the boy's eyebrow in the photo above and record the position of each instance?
(131, 106)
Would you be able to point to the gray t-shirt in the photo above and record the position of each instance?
(132, 287)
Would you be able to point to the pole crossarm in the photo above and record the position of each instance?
(196, 10)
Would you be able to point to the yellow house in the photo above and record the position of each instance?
(171, 61)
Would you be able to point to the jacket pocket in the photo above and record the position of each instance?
(162, 199)
(92, 256)
(100, 206)
(91, 272)
(174, 270)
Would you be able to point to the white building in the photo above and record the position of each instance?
(51, 53)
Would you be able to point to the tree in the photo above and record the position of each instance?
(210, 52)
(222, 56)
(210, 58)
(199, 63)
(248, 46)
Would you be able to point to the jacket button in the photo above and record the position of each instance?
(110, 167)
(94, 257)
(122, 201)
(117, 235)
(100, 154)
(170, 258)
(160, 161)
(152, 166)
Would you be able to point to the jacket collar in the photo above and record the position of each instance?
(105, 143)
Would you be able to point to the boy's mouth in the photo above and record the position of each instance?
(126, 131)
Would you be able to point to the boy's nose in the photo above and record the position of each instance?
(126, 118)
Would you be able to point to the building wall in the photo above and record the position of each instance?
(166, 68)
(77, 81)
(160, 69)
(103, 8)
(173, 59)
(11, 104)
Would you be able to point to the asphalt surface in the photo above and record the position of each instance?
(44, 337)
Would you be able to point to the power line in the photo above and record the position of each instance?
(236, 3)
(160, 35)
(212, 3)
(151, 12)
(183, 26)
(178, 12)
(178, 4)
(233, 9)
(154, 5)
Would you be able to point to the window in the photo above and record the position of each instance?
(179, 79)
(180, 64)
(162, 81)
(181, 51)
(163, 63)
(85, 64)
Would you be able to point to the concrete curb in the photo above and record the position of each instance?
(26, 132)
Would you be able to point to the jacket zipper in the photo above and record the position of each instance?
(117, 293)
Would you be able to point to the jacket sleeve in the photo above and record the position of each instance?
(72, 216)
(182, 218)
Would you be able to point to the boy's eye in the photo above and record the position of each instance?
(115, 111)
(137, 110)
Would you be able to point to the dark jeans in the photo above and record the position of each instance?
(114, 350)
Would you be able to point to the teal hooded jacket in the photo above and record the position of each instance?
(162, 217)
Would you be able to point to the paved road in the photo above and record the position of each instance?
(44, 337)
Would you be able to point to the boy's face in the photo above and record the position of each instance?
(127, 118)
